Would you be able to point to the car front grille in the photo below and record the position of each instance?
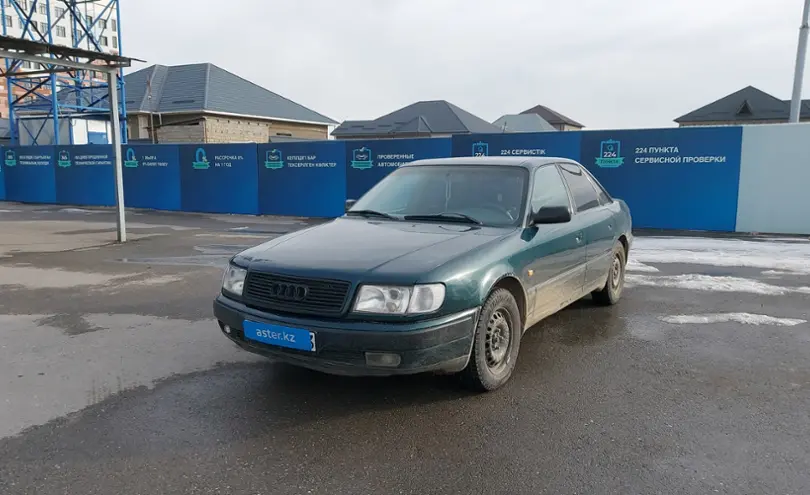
(287, 294)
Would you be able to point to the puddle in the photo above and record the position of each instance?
(213, 255)
(742, 318)
(59, 364)
(33, 278)
(52, 278)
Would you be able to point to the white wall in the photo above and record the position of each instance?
(774, 192)
(79, 131)
(81, 128)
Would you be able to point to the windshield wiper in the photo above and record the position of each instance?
(448, 215)
(371, 213)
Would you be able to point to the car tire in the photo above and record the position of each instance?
(612, 291)
(496, 343)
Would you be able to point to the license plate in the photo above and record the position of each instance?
(293, 338)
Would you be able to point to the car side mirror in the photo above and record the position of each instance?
(551, 214)
(350, 203)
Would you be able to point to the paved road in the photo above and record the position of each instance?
(114, 380)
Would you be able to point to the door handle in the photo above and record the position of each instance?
(579, 238)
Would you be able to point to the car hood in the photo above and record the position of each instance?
(354, 247)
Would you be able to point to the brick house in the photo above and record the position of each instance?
(203, 103)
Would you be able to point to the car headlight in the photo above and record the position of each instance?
(233, 281)
(386, 299)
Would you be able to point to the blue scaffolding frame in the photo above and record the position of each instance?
(48, 96)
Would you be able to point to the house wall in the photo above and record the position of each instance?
(186, 128)
(773, 179)
(221, 129)
(179, 129)
(138, 126)
(566, 127)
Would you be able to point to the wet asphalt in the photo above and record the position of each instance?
(123, 385)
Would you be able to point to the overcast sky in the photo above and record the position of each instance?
(605, 63)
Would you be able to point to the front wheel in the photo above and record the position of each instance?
(612, 291)
(495, 344)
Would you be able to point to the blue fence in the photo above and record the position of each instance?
(670, 178)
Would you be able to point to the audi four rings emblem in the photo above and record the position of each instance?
(289, 292)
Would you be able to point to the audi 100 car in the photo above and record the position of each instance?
(441, 267)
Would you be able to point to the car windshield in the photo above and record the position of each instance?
(486, 195)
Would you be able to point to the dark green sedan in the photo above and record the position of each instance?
(440, 267)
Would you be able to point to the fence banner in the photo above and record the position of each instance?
(670, 178)
(519, 144)
(85, 175)
(29, 174)
(302, 179)
(2, 178)
(219, 178)
(152, 176)
(368, 162)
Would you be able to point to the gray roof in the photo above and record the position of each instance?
(528, 122)
(206, 87)
(748, 103)
(552, 117)
(421, 118)
(197, 88)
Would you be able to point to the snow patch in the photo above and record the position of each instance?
(636, 266)
(779, 272)
(80, 210)
(744, 318)
(713, 284)
(793, 257)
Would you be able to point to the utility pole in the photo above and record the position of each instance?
(801, 55)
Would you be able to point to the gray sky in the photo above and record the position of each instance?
(607, 64)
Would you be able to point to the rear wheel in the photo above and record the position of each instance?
(612, 291)
(496, 343)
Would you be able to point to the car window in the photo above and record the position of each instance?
(494, 195)
(604, 197)
(548, 189)
(582, 190)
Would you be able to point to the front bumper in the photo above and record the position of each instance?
(442, 345)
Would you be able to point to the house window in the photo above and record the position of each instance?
(59, 11)
(7, 21)
(115, 42)
(114, 25)
(103, 41)
(26, 64)
(61, 31)
(43, 8)
(23, 4)
(102, 23)
(89, 20)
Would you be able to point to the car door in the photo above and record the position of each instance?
(557, 253)
(596, 220)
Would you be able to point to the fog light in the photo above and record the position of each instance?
(226, 329)
(383, 359)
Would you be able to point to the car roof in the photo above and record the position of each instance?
(513, 161)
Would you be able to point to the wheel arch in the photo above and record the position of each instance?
(510, 282)
(626, 245)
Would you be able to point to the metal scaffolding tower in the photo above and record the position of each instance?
(44, 103)
(64, 60)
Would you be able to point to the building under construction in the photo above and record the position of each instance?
(43, 106)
